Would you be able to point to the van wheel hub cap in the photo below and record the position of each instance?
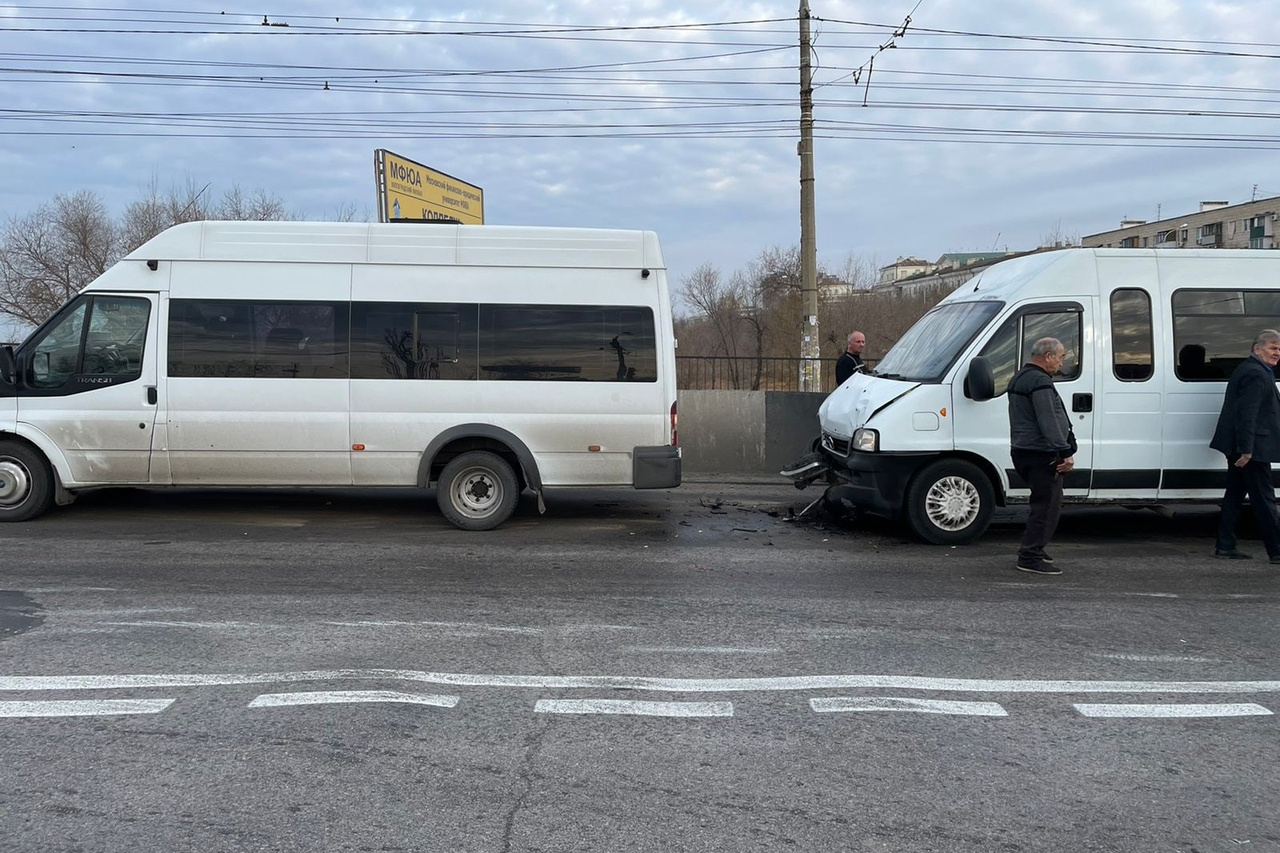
(14, 483)
(952, 503)
(477, 492)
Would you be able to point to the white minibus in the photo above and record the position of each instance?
(1151, 337)
(485, 360)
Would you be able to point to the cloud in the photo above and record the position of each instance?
(977, 131)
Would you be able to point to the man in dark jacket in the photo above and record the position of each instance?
(1042, 448)
(850, 362)
(1248, 434)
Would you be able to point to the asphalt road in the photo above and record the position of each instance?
(638, 671)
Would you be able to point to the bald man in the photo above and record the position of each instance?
(851, 362)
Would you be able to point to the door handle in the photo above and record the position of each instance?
(1082, 402)
(153, 396)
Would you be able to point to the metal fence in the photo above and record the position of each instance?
(746, 373)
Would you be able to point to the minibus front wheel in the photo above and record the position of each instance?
(477, 490)
(26, 482)
(949, 502)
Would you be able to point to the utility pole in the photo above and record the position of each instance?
(811, 366)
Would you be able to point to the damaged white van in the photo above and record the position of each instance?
(484, 360)
(1151, 337)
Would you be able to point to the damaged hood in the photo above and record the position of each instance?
(855, 402)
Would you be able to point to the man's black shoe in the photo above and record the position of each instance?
(1233, 554)
(1275, 561)
(1045, 558)
(1037, 567)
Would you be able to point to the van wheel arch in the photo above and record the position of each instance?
(464, 438)
(950, 501)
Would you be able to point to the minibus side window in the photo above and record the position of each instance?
(102, 336)
(568, 343)
(1132, 348)
(1010, 347)
(300, 340)
(423, 340)
(242, 339)
(56, 358)
(1213, 330)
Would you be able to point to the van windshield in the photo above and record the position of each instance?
(928, 349)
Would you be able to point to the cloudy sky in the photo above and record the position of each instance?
(978, 126)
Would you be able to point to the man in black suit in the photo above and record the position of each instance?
(1248, 434)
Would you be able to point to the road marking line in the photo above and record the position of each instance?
(155, 623)
(633, 708)
(1243, 709)
(843, 704)
(462, 626)
(620, 682)
(700, 650)
(87, 708)
(1162, 658)
(334, 697)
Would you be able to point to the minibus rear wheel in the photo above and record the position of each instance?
(477, 490)
(26, 482)
(949, 502)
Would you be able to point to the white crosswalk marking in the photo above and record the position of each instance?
(634, 708)
(83, 708)
(335, 697)
(1241, 709)
(842, 704)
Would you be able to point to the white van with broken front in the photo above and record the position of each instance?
(1151, 337)
(483, 360)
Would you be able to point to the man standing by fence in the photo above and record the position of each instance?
(851, 361)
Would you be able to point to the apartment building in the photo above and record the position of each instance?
(1216, 225)
(910, 276)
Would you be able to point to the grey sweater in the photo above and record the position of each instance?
(1037, 419)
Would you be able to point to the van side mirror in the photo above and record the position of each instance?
(8, 367)
(980, 384)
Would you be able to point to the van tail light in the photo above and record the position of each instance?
(675, 438)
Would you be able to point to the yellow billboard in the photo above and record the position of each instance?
(412, 192)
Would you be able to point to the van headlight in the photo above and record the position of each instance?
(866, 440)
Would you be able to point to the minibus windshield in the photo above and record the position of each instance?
(928, 349)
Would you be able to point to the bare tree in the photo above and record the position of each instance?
(257, 206)
(348, 212)
(719, 308)
(51, 253)
(156, 211)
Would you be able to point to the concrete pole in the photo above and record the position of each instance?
(810, 351)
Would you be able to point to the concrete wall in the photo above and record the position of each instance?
(746, 432)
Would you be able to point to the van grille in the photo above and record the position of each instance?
(835, 444)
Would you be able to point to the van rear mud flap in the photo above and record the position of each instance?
(807, 469)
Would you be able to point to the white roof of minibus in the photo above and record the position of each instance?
(405, 243)
(1074, 272)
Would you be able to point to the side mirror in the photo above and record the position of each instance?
(8, 367)
(980, 385)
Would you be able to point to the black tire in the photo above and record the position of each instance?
(949, 502)
(477, 490)
(26, 482)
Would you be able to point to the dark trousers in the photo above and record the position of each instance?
(1046, 500)
(1254, 480)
